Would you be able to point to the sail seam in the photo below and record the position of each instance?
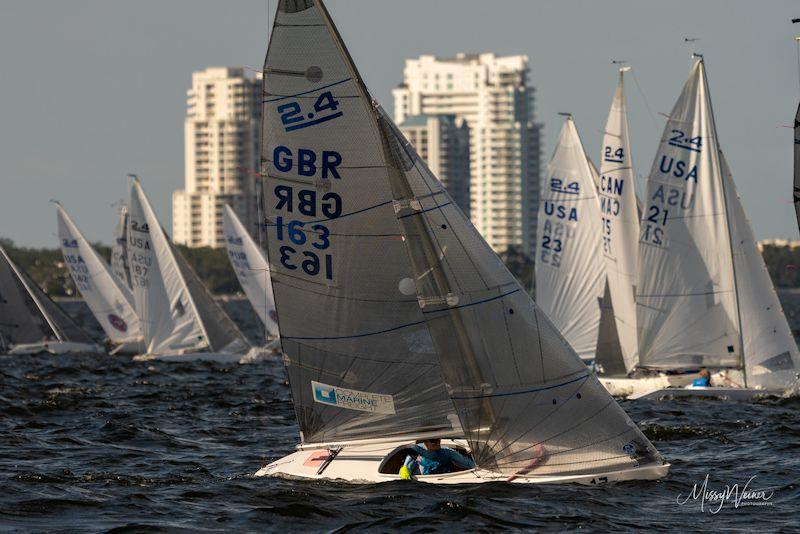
(284, 97)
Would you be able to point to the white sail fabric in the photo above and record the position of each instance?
(27, 315)
(796, 188)
(252, 270)
(166, 292)
(119, 249)
(770, 353)
(524, 399)
(686, 305)
(570, 273)
(110, 301)
(620, 224)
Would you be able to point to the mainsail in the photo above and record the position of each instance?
(797, 165)
(570, 274)
(175, 310)
(384, 287)
(108, 298)
(620, 224)
(119, 248)
(27, 315)
(686, 302)
(252, 270)
(770, 353)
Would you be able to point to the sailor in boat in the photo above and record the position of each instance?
(433, 459)
(702, 381)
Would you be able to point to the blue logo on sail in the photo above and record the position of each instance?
(324, 393)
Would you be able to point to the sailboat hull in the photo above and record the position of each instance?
(719, 393)
(635, 387)
(371, 462)
(56, 347)
(219, 357)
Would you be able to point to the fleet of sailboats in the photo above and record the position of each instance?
(397, 322)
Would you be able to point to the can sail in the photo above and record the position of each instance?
(363, 318)
(620, 224)
(119, 248)
(175, 310)
(770, 353)
(252, 270)
(686, 304)
(27, 315)
(570, 274)
(110, 301)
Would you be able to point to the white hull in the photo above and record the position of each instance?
(128, 348)
(635, 387)
(720, 393)
(56, 347)
(373, 462)
(254, 355)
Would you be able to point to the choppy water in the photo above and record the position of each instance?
(92, 444)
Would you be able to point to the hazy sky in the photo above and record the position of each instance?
(94, 89)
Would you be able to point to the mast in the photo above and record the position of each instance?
(727, 226)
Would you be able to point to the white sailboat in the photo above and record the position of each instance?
(570, 274)
(109, 300)
(704, 299)
(252, 270)
(31, 323)
(398, 321)
(180, 320)
(119, 248)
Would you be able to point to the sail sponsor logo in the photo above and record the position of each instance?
(352, 399)
(117, 322)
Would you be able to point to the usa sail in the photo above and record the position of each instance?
(110, 301)
(398, 321)
(770, 353)
(620, 224)
(570, 273)
(178, 317)
(119, 248)
(30, 322)
(687, 314)
(252, 270)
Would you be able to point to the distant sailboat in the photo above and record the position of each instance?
(119, 248)
(398, 321)
(620, 231)
(180, 320)
(252, 270)
(701, 293)
(30, 322)
(570, 274)
(110, 301)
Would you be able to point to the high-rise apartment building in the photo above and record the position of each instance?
(443, 142)
(221, 139)
(492, 94)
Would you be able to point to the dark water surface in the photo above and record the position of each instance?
(92, 444)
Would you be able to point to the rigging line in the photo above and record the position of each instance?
(496, 297)
(283, 97)
(533, 390)
(644, 99)
(797, 41)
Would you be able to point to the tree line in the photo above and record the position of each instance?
(46, 267)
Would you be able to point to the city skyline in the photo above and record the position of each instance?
(98, 90)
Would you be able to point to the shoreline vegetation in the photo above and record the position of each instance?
(46, 267)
